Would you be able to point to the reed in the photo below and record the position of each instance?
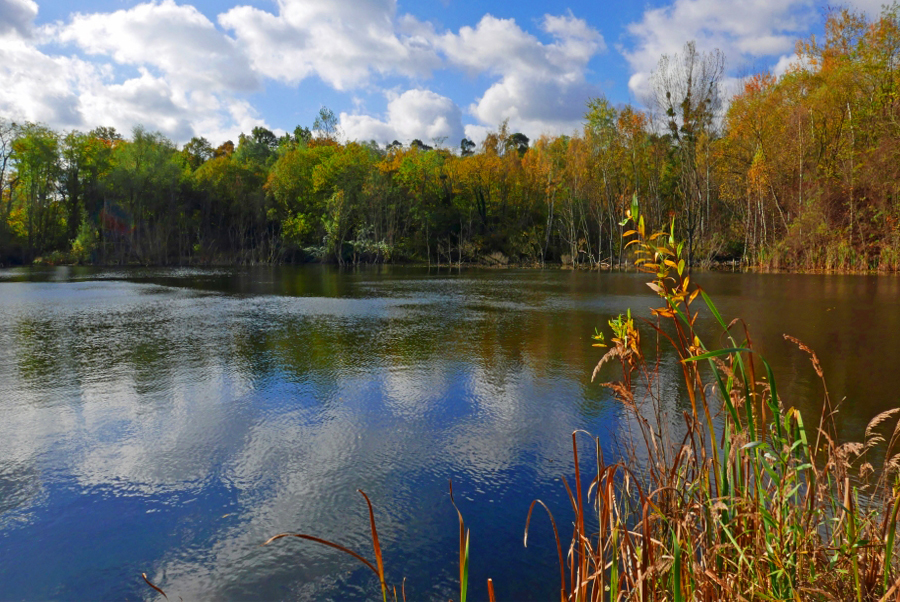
(379, 569)
(746, 504)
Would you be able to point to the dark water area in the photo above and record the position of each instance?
(169, 421)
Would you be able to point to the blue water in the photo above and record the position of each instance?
(170, 421)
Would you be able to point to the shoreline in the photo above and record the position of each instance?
(724, 266)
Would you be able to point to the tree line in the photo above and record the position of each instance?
(795, 171)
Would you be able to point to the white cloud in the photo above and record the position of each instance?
(178, 40)
(789, 62)
(341, 41)
(17, 17)
(170, 67)
(743, 30)
(421, 114)
(145, 99)
(69, 93)
(535, 105)
(197, 72)
(36, 87)
(477, 133)
(346, 43)
(542, 87)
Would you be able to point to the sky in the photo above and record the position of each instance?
(436, 70)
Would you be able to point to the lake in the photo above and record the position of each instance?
(169, 421)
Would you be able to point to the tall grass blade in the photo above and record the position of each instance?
(889, 541)
(325, 542)
(464, 581)
(144, 575)
(677, 589)
(562, 569)
(463, 550)
(377, 546)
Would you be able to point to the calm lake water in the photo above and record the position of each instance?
(169, 421)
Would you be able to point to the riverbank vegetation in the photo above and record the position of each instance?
(797, 170)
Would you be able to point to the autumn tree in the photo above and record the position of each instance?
(687, 91)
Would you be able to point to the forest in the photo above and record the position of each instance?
(795, 171)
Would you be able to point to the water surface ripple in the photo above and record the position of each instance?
(168, 421)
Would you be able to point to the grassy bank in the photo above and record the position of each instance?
(749, 503)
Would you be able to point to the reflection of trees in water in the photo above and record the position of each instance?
(850, 321)
(38, 350)
(391, 394)
(374, 380)
(384, 318)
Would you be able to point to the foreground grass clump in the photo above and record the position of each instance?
(745, 503)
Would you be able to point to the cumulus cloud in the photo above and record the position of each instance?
(71, 93)
(542, 88)
(185, 75)
(789, 62)
(17, 17)
(500, 46)
(40, 88)
(743, 30)
(178, 40)
(421, 114)
(169, 66)
(535, 105)
(343, 42)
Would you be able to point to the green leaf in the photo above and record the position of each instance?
(717, 353)
(464, 584)
(712, 308)
(676, 568)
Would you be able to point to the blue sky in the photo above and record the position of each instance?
(434, 69)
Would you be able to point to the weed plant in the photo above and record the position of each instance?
(747, 504)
